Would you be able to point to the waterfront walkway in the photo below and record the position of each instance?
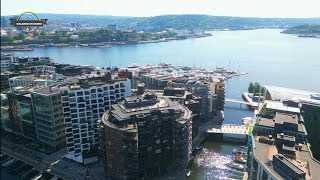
(238, 101)
(229, 129)
(247, 100)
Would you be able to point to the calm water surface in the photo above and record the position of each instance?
(269, 57)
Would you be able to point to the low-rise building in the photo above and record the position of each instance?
(144, 135)
(26, 80)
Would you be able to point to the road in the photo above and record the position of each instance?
(54, 163)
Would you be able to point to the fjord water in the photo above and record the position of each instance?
(268, 56)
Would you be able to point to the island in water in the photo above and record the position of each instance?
(306, 30)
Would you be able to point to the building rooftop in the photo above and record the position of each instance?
(46, 90)
(264, 153)
(122, 113)
(279, 106)
(270, 122)
(280, 93)
(32, 77)
(281, 118)
(286, 137)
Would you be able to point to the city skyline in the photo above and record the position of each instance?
(143, 8)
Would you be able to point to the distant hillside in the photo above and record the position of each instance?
(219, 22)
(189, 21)
(306, 29)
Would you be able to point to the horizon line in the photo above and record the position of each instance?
(170, 15)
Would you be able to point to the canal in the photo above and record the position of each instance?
(214, 161)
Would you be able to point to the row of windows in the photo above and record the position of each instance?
(88, 92)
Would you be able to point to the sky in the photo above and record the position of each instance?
(242, 8)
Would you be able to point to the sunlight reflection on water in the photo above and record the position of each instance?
(216, 166)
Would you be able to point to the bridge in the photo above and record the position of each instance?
(229, 129)
(238, 101)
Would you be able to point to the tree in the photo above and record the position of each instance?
(42, 33)
(250, 88)
(20, 36)
(6, 39)
(257, 87)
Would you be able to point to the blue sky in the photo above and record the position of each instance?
(243, 8)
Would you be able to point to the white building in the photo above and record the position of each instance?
(31, 79)
(3, 32)
(74, 37)
(46, 69)
(84, 106)
(6, 61)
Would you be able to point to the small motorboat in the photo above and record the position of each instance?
(188, 172)
(243, 147)
(237, 166)
(242, 150)
(200, 147)
(240, 159)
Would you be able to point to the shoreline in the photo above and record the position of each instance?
(30, 47)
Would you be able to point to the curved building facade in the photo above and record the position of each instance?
(144, 135)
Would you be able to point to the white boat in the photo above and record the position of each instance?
(244, 147)
(188, 172)
(134, 66)
(199, 147)
(240, 151)
(237, 166)
(240, 160)
(247, 120)
(37, 177)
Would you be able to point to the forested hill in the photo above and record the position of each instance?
(304, 29)
(188, 21)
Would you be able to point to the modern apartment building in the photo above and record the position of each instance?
(84, 104)
(6, 61)
(5, 119)
(21, 113)
(48, 116)
(144, 135)
(183, 97)
(212, 93)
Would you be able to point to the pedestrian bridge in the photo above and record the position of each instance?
(229, 129)
(237, 101)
